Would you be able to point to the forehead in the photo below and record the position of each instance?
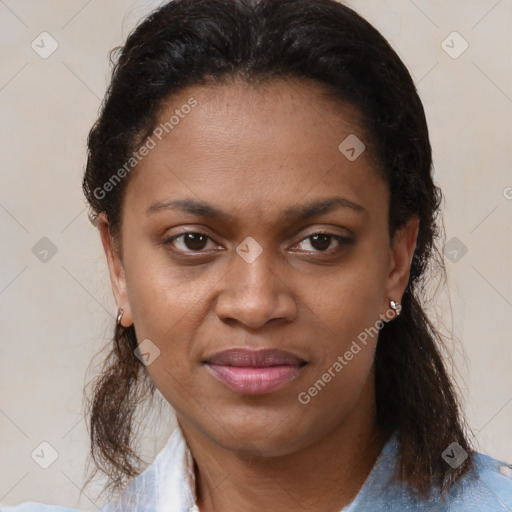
(256, 146)
(243, 112)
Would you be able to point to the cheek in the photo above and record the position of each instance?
(350, 300)
(163, 296)
(346, 339)
(165, 311)
(348, 308)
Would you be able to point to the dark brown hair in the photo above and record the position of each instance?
(193, 42)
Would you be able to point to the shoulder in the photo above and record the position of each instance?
(33, 506)
(488, 486)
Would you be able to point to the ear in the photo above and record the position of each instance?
(401, 255)
(116, 270)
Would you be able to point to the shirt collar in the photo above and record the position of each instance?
(167, 485)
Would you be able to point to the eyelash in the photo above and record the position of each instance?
(342, 241)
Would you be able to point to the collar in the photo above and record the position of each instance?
(167, 485)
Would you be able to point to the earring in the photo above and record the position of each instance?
(119, 316)
(395, 306)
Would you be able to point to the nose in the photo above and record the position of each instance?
(254, 293)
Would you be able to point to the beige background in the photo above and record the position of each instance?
(56, 315)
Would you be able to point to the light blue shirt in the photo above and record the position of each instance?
(168, 485)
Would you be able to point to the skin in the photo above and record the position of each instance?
(254, 152)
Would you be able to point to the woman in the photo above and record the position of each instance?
(260, 175)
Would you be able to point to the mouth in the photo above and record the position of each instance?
(251, 372)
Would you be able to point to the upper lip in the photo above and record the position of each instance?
(254, 358)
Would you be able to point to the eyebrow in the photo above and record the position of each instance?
(293, 214)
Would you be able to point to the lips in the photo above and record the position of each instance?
(251, 372)
(253, 358)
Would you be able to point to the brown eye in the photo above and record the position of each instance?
(189, 241)
(322, 242)
(195, 241)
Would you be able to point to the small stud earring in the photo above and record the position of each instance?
(395, 306)
(119, 316)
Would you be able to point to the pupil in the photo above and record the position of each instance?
(192, 241)
(324, 241)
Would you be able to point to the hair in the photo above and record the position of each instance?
(200, 42)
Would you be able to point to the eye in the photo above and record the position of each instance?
(197, 242)
(321, 242)
(189, 241)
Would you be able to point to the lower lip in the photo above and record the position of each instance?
(254, 381)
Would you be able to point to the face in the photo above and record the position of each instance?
(246, 227)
